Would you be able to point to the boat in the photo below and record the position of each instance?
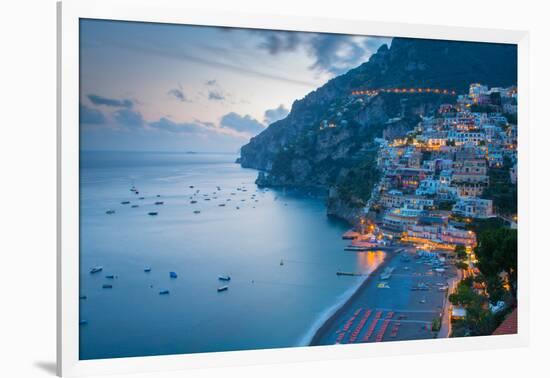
(107, 286)
(159, 203)
(141, 198)
(83, 322)
(223, 288)
(96, 269)
(110, 276)
(224, 278)
(197, 211)
(282, 262)
(173, 275)
(134, 206)
(164, 292)
(147, 270)
(83, 297)
(110, 212)
(152, 213)
(348, 274)
(191, 186)
(386, 274)
(193, 201)
(237, 207)
(125, 202)
(158, 195)
(221, 205)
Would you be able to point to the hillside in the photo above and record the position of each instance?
(327, 138)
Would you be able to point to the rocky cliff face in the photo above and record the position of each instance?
(327, 138)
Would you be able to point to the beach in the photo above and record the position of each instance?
(402, 307)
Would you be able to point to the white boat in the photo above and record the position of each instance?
(224, 278)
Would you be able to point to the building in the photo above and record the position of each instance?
(474, 208)
(470, 177)
(399, 219)
(428, 186)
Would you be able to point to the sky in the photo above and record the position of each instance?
(164, 87)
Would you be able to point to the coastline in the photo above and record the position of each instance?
(329, 322)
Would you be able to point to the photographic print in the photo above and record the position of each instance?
(250, 189)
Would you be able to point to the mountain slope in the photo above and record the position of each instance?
(327, 138)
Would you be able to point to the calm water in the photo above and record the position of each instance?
(267, 305)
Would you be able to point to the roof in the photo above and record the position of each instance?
(459, 312)
(509, 326)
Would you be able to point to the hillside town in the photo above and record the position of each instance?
(452, 176)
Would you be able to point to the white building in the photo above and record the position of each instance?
(474, 208)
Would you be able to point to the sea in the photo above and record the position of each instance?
(278, 247)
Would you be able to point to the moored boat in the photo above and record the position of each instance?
(223, 288)
(224, 278)
(96, 269)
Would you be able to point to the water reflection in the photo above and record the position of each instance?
(369, 261)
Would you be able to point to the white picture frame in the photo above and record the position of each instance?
(69, 13)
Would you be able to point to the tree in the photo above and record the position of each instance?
(496, 253)
(464, 294)
(460, 252)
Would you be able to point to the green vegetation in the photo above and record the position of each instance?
(357, 185)
(464, 295)
(497, 263)
(511, 118)
(436, 324)
(445, 205)
(461, 265)
(501, 190)
(497, 253)
(460, 252)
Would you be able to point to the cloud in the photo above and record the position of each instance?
(332, 53)
(129, 118)
(242, 124)
(272, 115)
(181, 127)
(178, 94)
(216, 96)
(91, 116)
(276, 42)
(176, 54)
(100, 100)
(336, 53)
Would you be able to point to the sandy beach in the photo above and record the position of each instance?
(402, 307)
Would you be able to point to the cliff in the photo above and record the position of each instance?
(327, 138)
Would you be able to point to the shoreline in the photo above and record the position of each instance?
(329, 322)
